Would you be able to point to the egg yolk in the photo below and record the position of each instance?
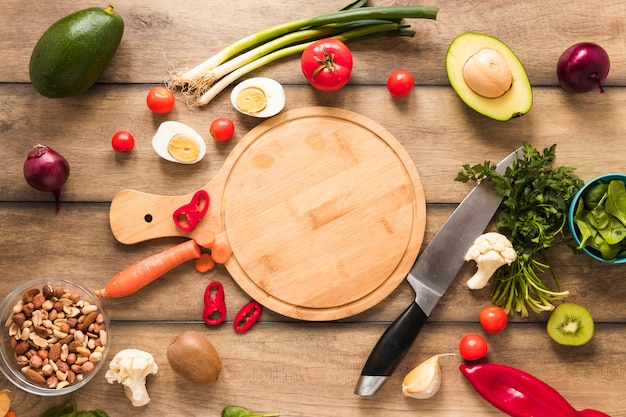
(488, 74)
(251, 100)
(183, 148)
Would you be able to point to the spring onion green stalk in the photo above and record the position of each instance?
(197, 78)
(388, 28)
(210, 77)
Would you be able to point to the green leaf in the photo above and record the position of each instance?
(616, 200)
(236, 411)
(58, 411)
(614, 232)
(586, 231)
(607, 251)
(598, 217)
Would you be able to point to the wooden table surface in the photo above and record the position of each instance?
(300, 368)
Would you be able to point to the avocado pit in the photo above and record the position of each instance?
(488, 74)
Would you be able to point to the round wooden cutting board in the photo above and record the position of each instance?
(323, 208)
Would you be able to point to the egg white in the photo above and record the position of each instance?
(274, 93)
(165, 133)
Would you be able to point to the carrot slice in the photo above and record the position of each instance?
(204, 263)
(205, 239)
(141, 273)
(220, 252)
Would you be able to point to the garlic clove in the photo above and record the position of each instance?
(424, 380)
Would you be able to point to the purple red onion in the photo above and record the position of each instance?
(46, 170)
(582, 67)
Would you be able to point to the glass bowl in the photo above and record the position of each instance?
(572, 212)
(57, 331)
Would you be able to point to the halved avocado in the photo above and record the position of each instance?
(514, 102)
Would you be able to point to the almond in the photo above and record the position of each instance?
(55, 352)
(35, 377)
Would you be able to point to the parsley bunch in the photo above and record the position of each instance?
(533, 214)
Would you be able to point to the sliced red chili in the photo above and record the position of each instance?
(214, 304)
(247, 316)
(187, 216)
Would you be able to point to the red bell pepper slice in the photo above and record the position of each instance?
(247, 316)
(187, 216)
(214, 304)
(520, 394)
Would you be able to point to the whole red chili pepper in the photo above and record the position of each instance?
(214, 304)
(247, 316)
(520, 394)
(187, 216)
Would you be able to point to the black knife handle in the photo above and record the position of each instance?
(395, 342)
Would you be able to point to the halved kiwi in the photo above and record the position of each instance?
(570, 324)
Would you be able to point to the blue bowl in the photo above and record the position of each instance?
(572, 210)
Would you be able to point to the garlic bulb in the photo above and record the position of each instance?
(424, 380)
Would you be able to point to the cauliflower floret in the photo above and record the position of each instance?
(130, 367)
(490, 251)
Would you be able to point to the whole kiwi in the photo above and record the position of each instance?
(193, 356)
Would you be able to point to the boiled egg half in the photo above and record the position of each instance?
(177, 142)
(258, 97)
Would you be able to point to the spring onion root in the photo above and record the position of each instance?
(202, 83)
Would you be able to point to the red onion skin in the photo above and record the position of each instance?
(46, 170)
(582, 67)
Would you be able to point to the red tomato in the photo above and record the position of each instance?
(160, 100)
(473, 347)
(327, 64)
(122, 141)
(400, 83)
(222, 129)
(493, 319)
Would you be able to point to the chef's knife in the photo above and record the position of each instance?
(430, 276)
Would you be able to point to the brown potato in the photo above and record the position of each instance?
(192, 356)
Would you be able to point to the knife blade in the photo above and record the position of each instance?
(430, 276)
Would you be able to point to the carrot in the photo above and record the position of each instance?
(10, 414)
(221, 251)
(142, 273)
(204, 263)
(205, 239)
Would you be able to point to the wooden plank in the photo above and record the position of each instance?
(165, 35)
(437, 130)
(312, 370)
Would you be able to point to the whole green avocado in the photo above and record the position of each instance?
(72, 54)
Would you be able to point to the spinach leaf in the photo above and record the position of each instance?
(607, 251)
(614, 232)
(598, 217)
(616, 200)
(586, 231)
(594, 195)
(58, 411)
(236, 411)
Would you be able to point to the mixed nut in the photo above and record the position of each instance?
(57, 336)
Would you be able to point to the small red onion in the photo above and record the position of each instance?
(46, 170)
(582, 67)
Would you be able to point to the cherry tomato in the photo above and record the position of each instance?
(400, 83)
(327, 64)
(472, 347)
(222, 129)
(493, 319)
(160, 100)
(122, 141)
